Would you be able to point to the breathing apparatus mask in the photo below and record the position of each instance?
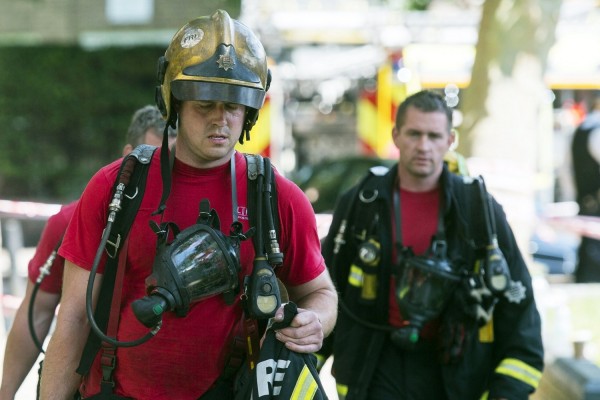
(200, 262)
(424, 283)
(423, 288)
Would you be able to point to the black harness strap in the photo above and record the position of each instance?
(134, 194)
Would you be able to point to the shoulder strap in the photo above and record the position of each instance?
(257, 165)
(133, 195)
(358, 214)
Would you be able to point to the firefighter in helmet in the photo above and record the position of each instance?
(213, 79)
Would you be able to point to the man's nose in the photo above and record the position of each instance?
(219, 112)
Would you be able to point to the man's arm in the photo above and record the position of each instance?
(517, 325)
(21, 352)
(59, 379)
(317, 313)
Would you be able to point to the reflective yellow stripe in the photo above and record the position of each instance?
(486, 332)
(484, 396)
(519, 370)
(306, 386)
(355, 278)
(341, 389)
(369, 289)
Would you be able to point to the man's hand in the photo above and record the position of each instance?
(304, 335)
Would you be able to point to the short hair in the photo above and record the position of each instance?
(147, 117)
(426, 101)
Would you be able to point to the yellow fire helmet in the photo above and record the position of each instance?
(214, 58)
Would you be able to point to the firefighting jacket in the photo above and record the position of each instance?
(502, 359)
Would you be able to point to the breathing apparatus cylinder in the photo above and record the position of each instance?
(425, 284)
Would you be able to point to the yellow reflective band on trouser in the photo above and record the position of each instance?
(519, 370)
(486, 332)
(342, 390)
(306, 386)
(355, 278)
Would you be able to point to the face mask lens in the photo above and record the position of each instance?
(202, 266)
(424, 288)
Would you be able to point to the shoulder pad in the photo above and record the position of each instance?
(467, 180)
(143, 153)
(379, 170)
(255, 165)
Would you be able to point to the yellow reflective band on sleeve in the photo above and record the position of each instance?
(341, 389)
(306, 386)
(519, 370)
(355, 278)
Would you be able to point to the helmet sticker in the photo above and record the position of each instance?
(191, 37)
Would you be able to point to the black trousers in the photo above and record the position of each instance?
(407, 375)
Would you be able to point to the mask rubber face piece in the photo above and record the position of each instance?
(213, 58)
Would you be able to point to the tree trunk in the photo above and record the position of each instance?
(507, 127)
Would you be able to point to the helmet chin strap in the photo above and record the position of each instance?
(167, 158)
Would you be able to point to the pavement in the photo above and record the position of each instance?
(566, 311)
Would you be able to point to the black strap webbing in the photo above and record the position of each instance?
(256, 166)
(134, 193)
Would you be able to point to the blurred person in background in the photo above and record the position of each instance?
(147, 126)
(436, 301)
(585, 155)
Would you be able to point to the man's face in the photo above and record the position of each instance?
(208, 132)
(423, 141)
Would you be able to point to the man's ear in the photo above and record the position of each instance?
(395, 133)
(128, 148)
(453, 139)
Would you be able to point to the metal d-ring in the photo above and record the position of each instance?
(134, 195)
(364, 199)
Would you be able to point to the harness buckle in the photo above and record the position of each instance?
(112, 251)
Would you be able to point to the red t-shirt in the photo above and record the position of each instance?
(51, 236)
(418, 219)
(184, 358)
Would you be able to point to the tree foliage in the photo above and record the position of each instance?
(64, 113)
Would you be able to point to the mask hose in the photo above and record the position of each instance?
(114, 208)
(44, 271)
(275, 256)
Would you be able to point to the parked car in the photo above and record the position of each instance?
(327, 180)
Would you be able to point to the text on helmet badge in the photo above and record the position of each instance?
(191, 37)
(226, 61)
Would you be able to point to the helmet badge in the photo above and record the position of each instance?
(226, 61)
(191, 38)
